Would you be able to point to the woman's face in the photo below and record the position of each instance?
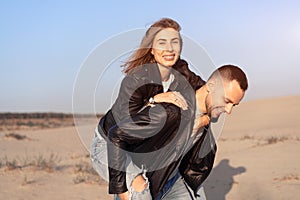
(166, 47)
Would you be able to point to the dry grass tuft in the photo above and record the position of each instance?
(39, 162)
(49, 164)
(85, 173)
(274, 140)
(27, 181)
(16, 136)
(289, 177)
(247, 137)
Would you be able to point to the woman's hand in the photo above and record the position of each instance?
(172, 97)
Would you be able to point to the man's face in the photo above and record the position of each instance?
(166, 47)
(222, 97)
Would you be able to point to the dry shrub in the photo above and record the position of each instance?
(85, 173)
(274, 140)
(289, 177)
(16, 136)
(247, 137)
(48, 164)
(39, 162)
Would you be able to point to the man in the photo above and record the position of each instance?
(224, 89)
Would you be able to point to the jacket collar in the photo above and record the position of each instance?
(155, 76)
(153, 73)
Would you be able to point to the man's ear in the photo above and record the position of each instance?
(210, 85)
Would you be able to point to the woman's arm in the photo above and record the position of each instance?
(130, 132)
(129, 100)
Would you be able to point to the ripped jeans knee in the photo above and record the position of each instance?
(139, 188)
(138, 185)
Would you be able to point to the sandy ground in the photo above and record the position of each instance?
(256, 159)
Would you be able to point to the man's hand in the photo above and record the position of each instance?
(201, 121)
(138, 184)
(124, 196)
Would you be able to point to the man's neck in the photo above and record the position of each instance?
(201, 94)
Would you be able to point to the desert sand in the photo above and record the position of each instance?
(257, 158)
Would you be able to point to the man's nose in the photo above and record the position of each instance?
(228, 108)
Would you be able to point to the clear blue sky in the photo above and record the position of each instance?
(43, 43)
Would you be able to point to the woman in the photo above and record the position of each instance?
(151, 77)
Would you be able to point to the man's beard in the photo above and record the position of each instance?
(211, 109)
(214, 119)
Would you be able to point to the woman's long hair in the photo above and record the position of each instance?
(143, 54)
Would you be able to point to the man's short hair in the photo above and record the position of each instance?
(230, 73)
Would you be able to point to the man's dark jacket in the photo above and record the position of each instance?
(155, 137)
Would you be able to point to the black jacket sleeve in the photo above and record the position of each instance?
(129, 101)
(198, 162)
(132, 131)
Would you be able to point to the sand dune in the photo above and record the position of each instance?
(257, 158)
